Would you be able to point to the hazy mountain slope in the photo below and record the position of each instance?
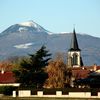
(24, 38)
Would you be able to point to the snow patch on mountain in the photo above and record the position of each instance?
(50, 33)
(23, 46)
(29, 24)
(22, 29)
(32, 24)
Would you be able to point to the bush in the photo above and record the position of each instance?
(6, 90)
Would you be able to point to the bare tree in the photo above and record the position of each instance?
(56, 73)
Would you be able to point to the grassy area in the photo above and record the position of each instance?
(31, 98)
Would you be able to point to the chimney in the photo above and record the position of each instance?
(83, 68)
(94, 67)
(2, 71)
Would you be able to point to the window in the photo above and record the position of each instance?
(75, 59)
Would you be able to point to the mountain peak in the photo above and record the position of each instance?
(29, 24)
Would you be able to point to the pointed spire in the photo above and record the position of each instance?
(74, 43)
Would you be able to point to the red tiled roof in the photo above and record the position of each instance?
(80, 73)
(91, 67)
(7, 77)
(83, 72)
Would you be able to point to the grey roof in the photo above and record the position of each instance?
(74, 43)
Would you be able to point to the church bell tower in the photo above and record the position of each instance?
(74, 53)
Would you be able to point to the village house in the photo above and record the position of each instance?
(7, 79)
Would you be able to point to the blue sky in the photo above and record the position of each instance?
(54, 15)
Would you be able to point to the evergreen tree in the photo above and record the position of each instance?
(31, 72)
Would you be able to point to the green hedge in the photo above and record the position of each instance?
(6, 90)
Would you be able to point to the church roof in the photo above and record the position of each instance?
(74, 42)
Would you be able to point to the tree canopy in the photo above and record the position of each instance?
(59, 76)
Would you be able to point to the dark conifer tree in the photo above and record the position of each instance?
(31, 72)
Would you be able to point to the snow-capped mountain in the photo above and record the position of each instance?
(21, 39)
(28, 26)
(34, 26)
(27, 37)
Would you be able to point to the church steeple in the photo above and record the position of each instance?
(74, 43)
(74, 53)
